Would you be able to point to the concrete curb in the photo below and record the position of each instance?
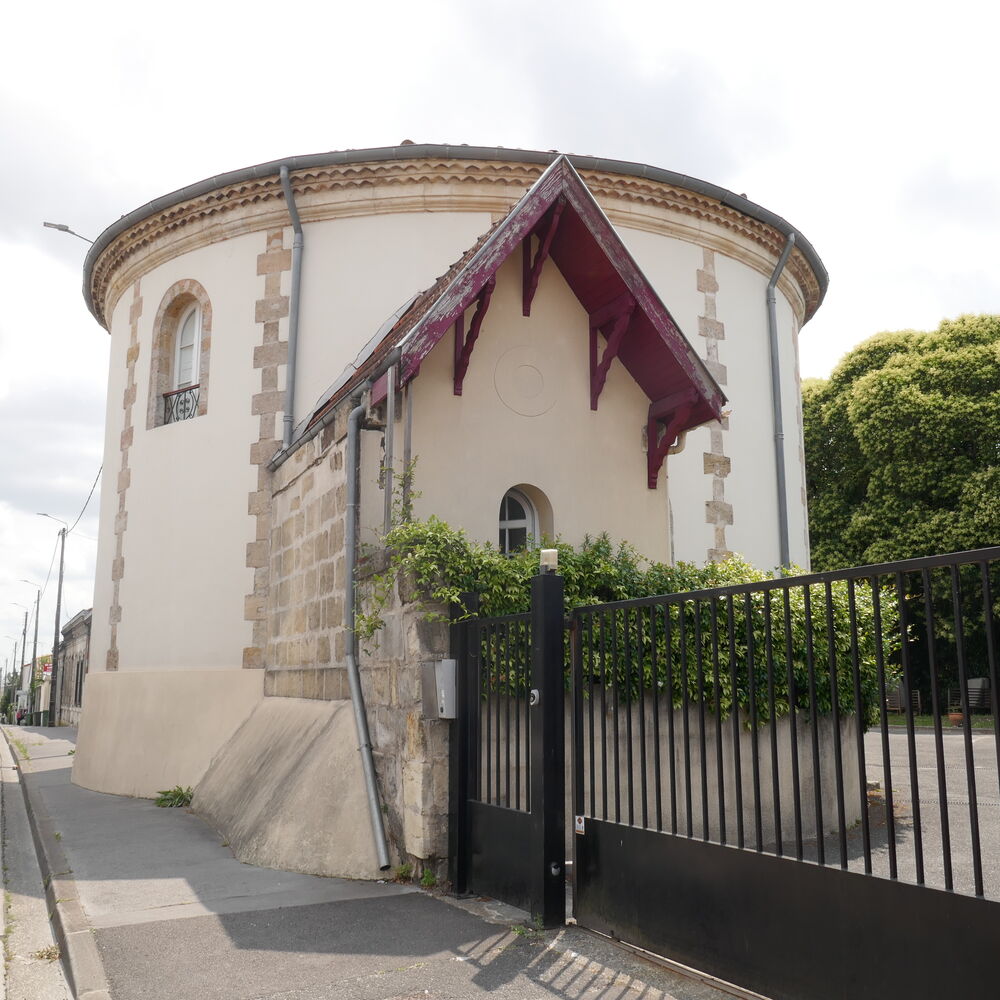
(77, 946)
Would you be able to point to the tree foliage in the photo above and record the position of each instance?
(903, 446)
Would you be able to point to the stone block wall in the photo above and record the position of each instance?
(411, 751)
(307, 642)
(306, 638)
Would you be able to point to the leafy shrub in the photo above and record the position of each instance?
(711, 642)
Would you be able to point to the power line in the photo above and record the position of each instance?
(85, 503)
(52, 562)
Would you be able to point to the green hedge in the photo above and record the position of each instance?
(444, 564)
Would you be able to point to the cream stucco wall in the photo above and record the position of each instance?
(176, 610)
(524, 417)
(357, 272)
(141, 732)
(100, 634)
(752, 487)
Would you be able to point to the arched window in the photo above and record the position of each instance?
(182, 341)
(518, 522)
(188, 343)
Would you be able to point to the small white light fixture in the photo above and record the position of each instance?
(548, 560)
(63, 228)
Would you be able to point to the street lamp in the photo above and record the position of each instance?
(63, 228)
(63, 531)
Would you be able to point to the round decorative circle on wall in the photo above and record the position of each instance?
(522, 383)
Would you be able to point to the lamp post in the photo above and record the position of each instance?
(63, 228)
(34, 646)
(55, 707)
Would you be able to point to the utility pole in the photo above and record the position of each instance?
(34, 650)
(54, 693)
(24, 647)
(54, 688)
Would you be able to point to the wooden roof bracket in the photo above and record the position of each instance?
(612, 320)
(531, 270)
(465, 344)
(672, 413)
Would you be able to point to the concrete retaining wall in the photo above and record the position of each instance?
(143, 731)
(287, 790)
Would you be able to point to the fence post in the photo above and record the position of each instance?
(463, 730)
(548, 750)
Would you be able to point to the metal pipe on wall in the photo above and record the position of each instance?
(390, 420)
(778, 421)
(352, 466)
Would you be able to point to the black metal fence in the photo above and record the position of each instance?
(759, 716)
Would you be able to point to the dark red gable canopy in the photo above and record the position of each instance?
(559, 219)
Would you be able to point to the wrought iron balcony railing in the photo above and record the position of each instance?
(181, 404)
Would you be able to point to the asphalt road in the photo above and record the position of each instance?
(945, 821)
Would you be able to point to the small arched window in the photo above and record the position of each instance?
(188, 344)
(182, 342)
(518, 522)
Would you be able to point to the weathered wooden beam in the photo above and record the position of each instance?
(464, 346)
(618, 320)
(532, 269)
(674, 414)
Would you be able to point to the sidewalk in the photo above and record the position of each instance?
(147, 903)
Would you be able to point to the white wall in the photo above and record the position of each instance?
(356, 273)
(100, 635)
(185, 579)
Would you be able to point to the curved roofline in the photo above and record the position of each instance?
(422, 150)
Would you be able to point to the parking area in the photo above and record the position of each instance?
(945, 821)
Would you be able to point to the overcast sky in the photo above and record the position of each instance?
(871, 127)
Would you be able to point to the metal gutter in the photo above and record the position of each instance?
(776, 416)
(462, 152)
(288, 418)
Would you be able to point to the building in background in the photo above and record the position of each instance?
(74, 659)
(573, 345)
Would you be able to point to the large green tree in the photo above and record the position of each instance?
(903, 446)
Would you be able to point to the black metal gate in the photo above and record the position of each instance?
(781, 783)
(508, 757)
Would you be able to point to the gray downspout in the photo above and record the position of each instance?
(352, 466)
(288, 420)
(779, 429)
(390, 421)
(407, 449)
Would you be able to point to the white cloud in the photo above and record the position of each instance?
(867, 126)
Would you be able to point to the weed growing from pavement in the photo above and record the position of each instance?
(49, 954)
(8, 920)
(172, 798)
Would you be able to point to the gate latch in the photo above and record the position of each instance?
(534, 698)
